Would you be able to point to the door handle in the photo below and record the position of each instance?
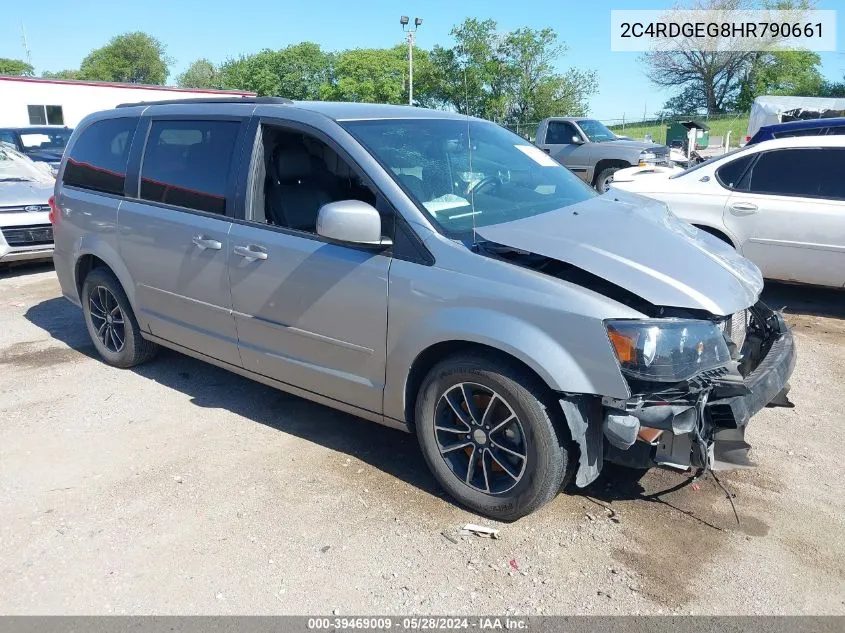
(743, 208)
(203, 242)
(251, 252)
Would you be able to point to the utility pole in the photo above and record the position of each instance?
(411, 36)
(26, 45)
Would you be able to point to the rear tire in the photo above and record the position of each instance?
(111, 322)
(475, 454)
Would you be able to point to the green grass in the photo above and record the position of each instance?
(718, 127)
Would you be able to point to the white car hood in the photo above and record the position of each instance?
(650, 178)
(639, 245)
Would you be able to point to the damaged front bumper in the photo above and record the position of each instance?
(697, 424)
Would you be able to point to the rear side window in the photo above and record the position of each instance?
(832, 184)
(791, 172)
(187, 163)
(836, 130)
(98, 158)
(730, 174)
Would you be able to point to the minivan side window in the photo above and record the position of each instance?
(294, 174)
(729, 175)
(97, 160)
(789, 172)
(187, 163)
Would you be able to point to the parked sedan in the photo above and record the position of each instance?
(25, 190)
(781, 203)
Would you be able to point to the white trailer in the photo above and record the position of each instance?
(26, 101)
(768, 110)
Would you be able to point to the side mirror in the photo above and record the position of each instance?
(352, 222)
(576, 140)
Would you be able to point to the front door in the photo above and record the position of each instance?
(790, 218)
(309, 313)
(175, 239)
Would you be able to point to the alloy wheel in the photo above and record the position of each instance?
(480, 438)
(107, 319)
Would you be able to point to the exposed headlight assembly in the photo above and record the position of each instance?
(647, 157)
(667, 350)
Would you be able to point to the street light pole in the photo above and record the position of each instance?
(411, 34)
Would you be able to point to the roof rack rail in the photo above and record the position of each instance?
(279, 100)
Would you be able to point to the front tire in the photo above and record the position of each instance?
(604, 178)
(111, 321)
(493, 436)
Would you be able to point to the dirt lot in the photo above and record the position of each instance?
(180, 488)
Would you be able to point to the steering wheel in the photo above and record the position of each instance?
(485, 182)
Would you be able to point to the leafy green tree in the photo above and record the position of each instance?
(136, 58)
(781, 73)
(200, 74)
(15, 68)
(507, 77)
(296, 72)
(61, 74)
(378, 75)
(832, 88)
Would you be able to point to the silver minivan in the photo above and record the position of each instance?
(425, 270)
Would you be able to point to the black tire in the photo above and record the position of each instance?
(604, 178)
(549, 454)
(134, 349)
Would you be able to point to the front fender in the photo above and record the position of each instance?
(526, 342)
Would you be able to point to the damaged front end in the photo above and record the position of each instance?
(698, 422)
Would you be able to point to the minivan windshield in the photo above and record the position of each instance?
(469, 173)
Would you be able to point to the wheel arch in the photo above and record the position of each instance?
(719, 233)
(101, 255)
(450, 332)
(605, 163)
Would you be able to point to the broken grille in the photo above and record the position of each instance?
(28, 235)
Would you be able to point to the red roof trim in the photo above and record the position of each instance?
(106, 84)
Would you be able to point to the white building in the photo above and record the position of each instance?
(31, 101)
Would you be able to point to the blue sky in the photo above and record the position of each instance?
(60, 34)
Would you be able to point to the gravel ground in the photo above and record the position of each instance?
(178, 488)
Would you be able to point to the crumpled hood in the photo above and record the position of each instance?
(638, 244)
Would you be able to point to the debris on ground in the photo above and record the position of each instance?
(512, 562)
(449, 538)
(479, 530)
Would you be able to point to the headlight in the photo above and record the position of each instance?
(647, 157)
(667, 350)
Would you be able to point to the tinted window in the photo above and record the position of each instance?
(832, 168)
(98, 158)
(561, 132)
(730, 174)
(8, 137)
(186, 163)
(836, 130)
(791, 172)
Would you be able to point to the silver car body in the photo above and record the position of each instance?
(790, 238)
(353, 328)
(25, 230)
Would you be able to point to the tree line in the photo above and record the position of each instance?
(510, 77)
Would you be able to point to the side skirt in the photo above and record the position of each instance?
(283, 386)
